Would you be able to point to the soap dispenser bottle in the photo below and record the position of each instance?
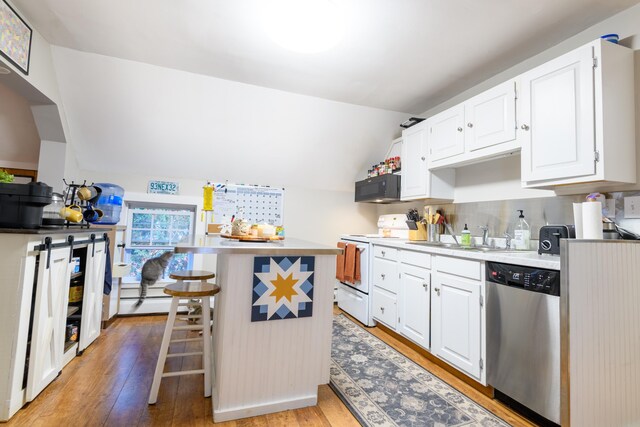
(522, 234)
(465, 237)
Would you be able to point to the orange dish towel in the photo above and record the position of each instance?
(340, 263)
(350, 263)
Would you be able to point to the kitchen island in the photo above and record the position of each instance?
(272, 323)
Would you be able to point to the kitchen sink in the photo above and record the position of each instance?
(462, 248)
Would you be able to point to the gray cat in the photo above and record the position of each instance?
(152, 270)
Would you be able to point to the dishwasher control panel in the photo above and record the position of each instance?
(527, 278)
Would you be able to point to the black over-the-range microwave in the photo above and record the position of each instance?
(379, 189)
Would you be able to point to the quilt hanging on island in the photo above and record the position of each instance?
(282, 288)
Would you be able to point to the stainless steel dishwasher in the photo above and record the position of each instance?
(523, 336)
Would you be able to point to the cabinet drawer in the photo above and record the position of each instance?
(418, 259)
(385, 274)
(384, 307)
(385, 253)
(459, 267)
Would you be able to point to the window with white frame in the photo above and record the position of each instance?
(154, 229)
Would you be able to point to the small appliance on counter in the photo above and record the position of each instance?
(21, 205)
(550, 235)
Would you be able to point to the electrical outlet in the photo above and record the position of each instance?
(632, 207)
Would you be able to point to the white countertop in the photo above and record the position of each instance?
(524, 258)
(214, 244)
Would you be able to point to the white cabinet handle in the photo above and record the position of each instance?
(382, 275)
(382, 310)
(424, 285)
(437, 291)
(459, 129)
(383, 252)
(470, 125)
(423, 158)
(524, 127)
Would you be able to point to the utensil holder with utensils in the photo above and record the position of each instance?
(420, 233)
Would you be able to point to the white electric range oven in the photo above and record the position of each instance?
(355, 298)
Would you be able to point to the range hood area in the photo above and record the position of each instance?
(379, 189)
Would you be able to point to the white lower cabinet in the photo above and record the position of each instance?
(92, 294)
(385, 307)
(456, 323)
(414, 304)
(49, 321)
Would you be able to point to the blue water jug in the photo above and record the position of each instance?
(110, 202)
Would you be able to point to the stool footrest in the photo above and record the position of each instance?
(187, 340)
(193, 353)
(188, 328)
(191, 316)
(189, 304)
(179, 373)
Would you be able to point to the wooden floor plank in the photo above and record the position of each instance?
(109, 386)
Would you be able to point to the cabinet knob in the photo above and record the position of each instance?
(382, 310)
(383, 252)
(423, 158)
(437, 291)
(460, 129)
(424, 285)
(524, 127)
(470, 125)
(382, 275)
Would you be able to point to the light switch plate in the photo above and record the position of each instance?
(632, 207)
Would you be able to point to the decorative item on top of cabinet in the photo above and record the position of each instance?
(417, 181)
(576, 115)
(480, 128)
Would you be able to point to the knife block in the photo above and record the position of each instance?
(420, 233)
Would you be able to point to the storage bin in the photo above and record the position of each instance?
(21, 205)
(110, 202)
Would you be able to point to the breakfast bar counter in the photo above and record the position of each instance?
(272, 323)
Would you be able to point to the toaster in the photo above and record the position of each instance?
(550, 235)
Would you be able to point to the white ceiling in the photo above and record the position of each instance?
(399, 55)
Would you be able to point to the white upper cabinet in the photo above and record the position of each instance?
(576, 117)
(491, 118)
(446, 133)
(480, 128)
(417, 181)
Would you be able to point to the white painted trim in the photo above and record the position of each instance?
(267, 408)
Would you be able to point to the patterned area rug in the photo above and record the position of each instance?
(381, 387)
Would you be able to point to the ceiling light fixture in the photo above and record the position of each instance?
(4, 70)
(305, 26)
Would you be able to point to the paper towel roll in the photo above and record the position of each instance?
(577, 219)
(592, 220)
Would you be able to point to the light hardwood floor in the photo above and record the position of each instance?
(109, 385)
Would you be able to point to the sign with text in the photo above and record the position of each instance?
(163, 187)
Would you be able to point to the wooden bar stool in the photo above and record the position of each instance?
(190, 285)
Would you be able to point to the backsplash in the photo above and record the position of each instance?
(501, 216)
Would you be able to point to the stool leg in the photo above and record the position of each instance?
(206, 345)
(164, 349)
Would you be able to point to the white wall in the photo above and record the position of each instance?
(19, 140)
(131, 122)
(500, 179)
(51, 165)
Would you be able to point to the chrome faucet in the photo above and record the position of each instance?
(485, 234)
(508, 240)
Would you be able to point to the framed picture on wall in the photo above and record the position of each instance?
(15, 38)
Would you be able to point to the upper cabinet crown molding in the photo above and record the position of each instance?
(576, 115)
(478, 129)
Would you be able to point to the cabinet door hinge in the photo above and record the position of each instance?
(481, 364)
(596, 156)
(595, 62)
(481, 301)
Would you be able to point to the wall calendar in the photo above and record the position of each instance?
(257, 204)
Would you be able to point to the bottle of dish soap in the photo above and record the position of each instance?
(522, 234)
(465, 238)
